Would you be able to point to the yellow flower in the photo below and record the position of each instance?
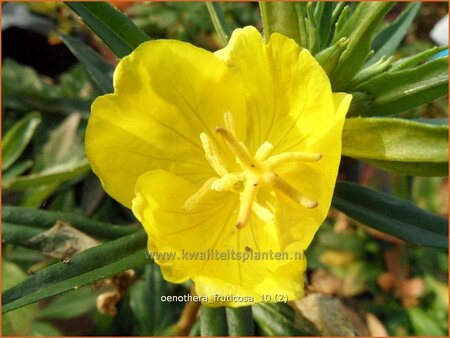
(219, 153)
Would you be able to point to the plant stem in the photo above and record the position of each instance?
(240, 321)
(213, 321)
(218, 20)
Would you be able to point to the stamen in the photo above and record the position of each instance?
(237, 147)
(213, 156)
(228, 182)
(195, 199)
(229, 122)
(247, 197)
(285, 188)
(279, 159)
(263, 151)
(262, 213)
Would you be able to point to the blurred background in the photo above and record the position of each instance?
(385, 286)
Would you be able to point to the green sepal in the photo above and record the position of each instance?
(382, 65)
(280, 17)
(328, 58)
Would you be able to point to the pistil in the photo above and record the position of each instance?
(257, 171)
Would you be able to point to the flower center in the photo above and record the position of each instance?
(256, 171)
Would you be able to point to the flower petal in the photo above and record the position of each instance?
(210, 230)
(315, 180)
(288, 92)
(166, 93)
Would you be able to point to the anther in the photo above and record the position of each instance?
(212, 155)
(199, 196)
(236, 147)
(229, 122)
(285, 188)
(263, 151)
(277, 160)
(247, 197)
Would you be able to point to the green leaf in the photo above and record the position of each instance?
(18, 234)
(116, 30)
(17, 169)
(414, 60)
(424, 324)
(69, 305)
(280, 17)
(240, 321)
(386, 42)
(99, 70)
(213, 321)
(324, 12)
(396, 91)
(25, 90)
(86, 267)
(406, 147)
(145, 302)
(42, 329)
(328, 58)
(44, 219)
(16, 323)
(391, 215)
(59, 174)
(17, 138)
(359, 28)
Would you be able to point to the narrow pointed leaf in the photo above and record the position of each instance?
(98, 69)
(58, 174)
(44, 219)
(391, 215)
(115, 29)
(387, 41)
(17, 169)
(407, 147)
(324, 23)
(86, 267)
(414, 60)
(17, 138)
(396, 91)
(359, 28)
(18, 234)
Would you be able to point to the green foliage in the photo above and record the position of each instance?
(387, 41)
(17, 139)
(411, 148)
(86, 267)
(396, 91)
(120, 34)
(100, 71)
(391, 215)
